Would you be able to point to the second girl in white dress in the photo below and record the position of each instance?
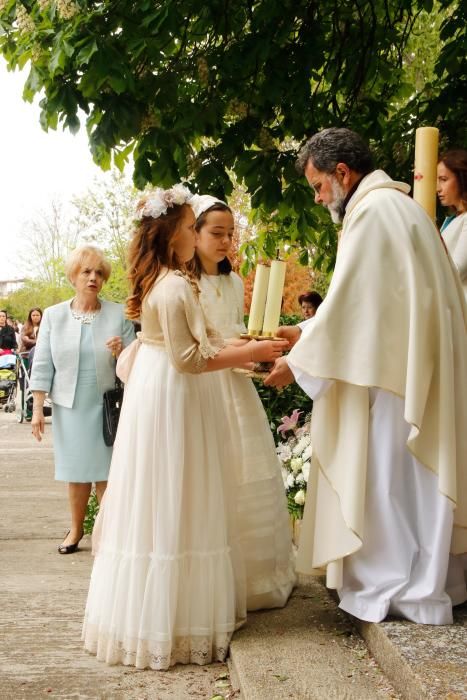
(265, 535)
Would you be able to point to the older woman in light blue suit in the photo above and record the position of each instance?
(74, 363)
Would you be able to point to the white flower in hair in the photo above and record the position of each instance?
(156, 202)
(179, 194)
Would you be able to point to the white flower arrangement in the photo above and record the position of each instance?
(156, 202)
(294, 453)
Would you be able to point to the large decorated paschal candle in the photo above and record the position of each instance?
(258, 300)
(274, 299)
(426, 160)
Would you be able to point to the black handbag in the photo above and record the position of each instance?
(111, 412)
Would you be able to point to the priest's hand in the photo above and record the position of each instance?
(281, 374)
(290, 333)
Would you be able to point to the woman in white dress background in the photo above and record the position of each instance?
(452, 193)
(263, 517)
(168, 583)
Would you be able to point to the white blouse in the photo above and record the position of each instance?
(222, 301)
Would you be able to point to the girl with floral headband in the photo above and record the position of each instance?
(265, 533)
(168, 582)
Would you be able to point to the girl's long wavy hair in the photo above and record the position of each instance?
(150, 250)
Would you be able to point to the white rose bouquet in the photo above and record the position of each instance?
(294, 451)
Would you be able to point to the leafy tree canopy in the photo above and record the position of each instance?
(212, 91)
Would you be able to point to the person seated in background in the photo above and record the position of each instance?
(309, 302)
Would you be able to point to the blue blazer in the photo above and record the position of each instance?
(56, 359)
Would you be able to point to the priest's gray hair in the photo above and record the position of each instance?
(331, 146)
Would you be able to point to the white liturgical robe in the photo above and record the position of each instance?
(385, 361)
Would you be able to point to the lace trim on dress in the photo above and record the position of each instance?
(208, 349)
(158, 655)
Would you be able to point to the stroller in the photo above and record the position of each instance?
(24, 366)
(8, 382)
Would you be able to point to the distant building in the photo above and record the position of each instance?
(9, 286)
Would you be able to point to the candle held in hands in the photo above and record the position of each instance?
(274, 297)
(426, 159)
(258, 300)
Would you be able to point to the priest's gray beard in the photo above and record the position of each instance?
(336, 207)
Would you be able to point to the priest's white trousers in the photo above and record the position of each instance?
(403, 567)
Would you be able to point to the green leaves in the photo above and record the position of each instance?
(32, 85)
(208, 93)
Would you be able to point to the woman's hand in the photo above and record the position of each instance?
(38, 423)
(266, 350)
(115, 345)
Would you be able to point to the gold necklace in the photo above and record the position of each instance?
(215, 286)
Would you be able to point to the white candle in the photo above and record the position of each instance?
(274, 299)
(258, 300)
(426, 160)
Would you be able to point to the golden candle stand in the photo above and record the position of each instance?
(262, 369)
(254, 336)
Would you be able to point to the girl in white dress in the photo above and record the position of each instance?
(265, 534)
(168, 583)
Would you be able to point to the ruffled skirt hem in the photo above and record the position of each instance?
(157, 655)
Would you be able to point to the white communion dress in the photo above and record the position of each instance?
(263, 520)
(169, 581)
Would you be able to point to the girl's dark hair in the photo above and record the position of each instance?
(313, 298)
(456, 161)
(195, 267)
(150, 250)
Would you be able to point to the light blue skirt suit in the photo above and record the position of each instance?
(73, 364)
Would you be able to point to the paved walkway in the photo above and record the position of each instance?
(309, 650)
(43, 594)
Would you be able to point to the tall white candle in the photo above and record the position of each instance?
(274, 298)
(258, 300)
(426, 160)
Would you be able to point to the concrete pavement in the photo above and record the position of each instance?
(43, 594)
(309, 650)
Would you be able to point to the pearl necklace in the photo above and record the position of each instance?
(86, 317)
(216, 287)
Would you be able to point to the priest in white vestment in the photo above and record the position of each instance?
(384, 360)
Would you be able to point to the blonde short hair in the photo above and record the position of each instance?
(77, 258)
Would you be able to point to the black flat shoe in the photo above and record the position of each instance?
(69, 548)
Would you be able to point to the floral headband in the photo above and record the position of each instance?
(157, 201)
